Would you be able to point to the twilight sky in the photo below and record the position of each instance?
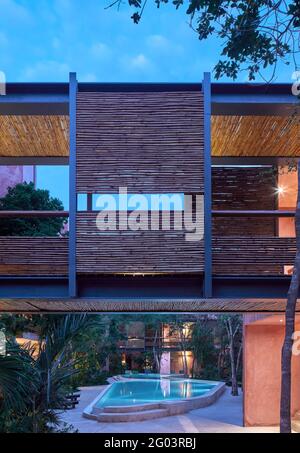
(42, 40)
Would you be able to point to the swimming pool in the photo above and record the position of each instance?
(127, 399)
(142, 376)
(133, 392)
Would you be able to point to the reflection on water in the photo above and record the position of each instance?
(147, 391)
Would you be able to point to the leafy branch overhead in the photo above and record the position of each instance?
(254, 35)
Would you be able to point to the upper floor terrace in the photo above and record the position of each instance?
(223, 148)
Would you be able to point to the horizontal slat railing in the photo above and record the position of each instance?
(127, 251)
(33, 256)
(27, 256)
(28, 214)
(245, 255)
(253, 213)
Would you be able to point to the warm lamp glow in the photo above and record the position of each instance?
(280, 190)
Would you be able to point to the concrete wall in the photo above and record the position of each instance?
(287, 198)
(165, 363)
(262, 361)
(11, 175)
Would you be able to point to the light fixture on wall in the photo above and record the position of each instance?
(280, 190)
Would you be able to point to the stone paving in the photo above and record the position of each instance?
(223, 416)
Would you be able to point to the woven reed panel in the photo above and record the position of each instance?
(106, 252)
(66, 305)
(252, 255)
(269, 136)
(243, 188)
(148, 142)
(45, 256)
(34, 135)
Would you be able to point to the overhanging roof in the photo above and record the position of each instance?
(253, 99)
(249, 119)
(91, 305)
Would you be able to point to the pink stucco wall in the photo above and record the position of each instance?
(287, 180)
(165, 363)
(262, 361)
(11, 175)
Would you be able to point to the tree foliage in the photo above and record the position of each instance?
(25, 197)
(254, 34)
(33, 388)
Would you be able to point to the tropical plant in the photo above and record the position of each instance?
(14, 367)
(204, 350)
(41, 382)
(25, 197)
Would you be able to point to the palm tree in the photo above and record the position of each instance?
(14, 368)
(33, 389)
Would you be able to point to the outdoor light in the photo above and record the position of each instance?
(280, 190)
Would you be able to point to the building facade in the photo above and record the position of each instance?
(225, 149)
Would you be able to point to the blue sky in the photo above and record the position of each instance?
(42, 40)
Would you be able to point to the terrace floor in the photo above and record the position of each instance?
(223, 416)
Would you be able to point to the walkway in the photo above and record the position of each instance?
(223, 416)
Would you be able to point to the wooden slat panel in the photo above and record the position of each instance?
(149, 142)
(66, 305)
(252, 255)
(269, 136)
(17, 305)
(34, 135)
(134, 251)
(45, 256)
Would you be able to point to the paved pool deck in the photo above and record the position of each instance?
(225, 416)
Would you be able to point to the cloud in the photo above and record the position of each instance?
(3, 39)
(100, 50)
(49, 70)
(139, 61)
(89, 77)
(160, 43)
(13, 11)
(56, 43)
(157, 41)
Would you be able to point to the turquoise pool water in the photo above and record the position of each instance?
(152, 390)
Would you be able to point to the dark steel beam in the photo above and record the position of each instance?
(34, 160)
(26, 214)
(72, 186)
(206, 86)
(253, 213)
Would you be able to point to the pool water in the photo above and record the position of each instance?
(142, 376)
(153, 390)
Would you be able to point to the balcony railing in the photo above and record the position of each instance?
(234, 254)
(33, 255)
(251, 254)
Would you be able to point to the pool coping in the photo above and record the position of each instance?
(174, 407)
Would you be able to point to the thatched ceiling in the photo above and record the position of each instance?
(143, 305)
(232, 136)
(34, 135)
(257, 136)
